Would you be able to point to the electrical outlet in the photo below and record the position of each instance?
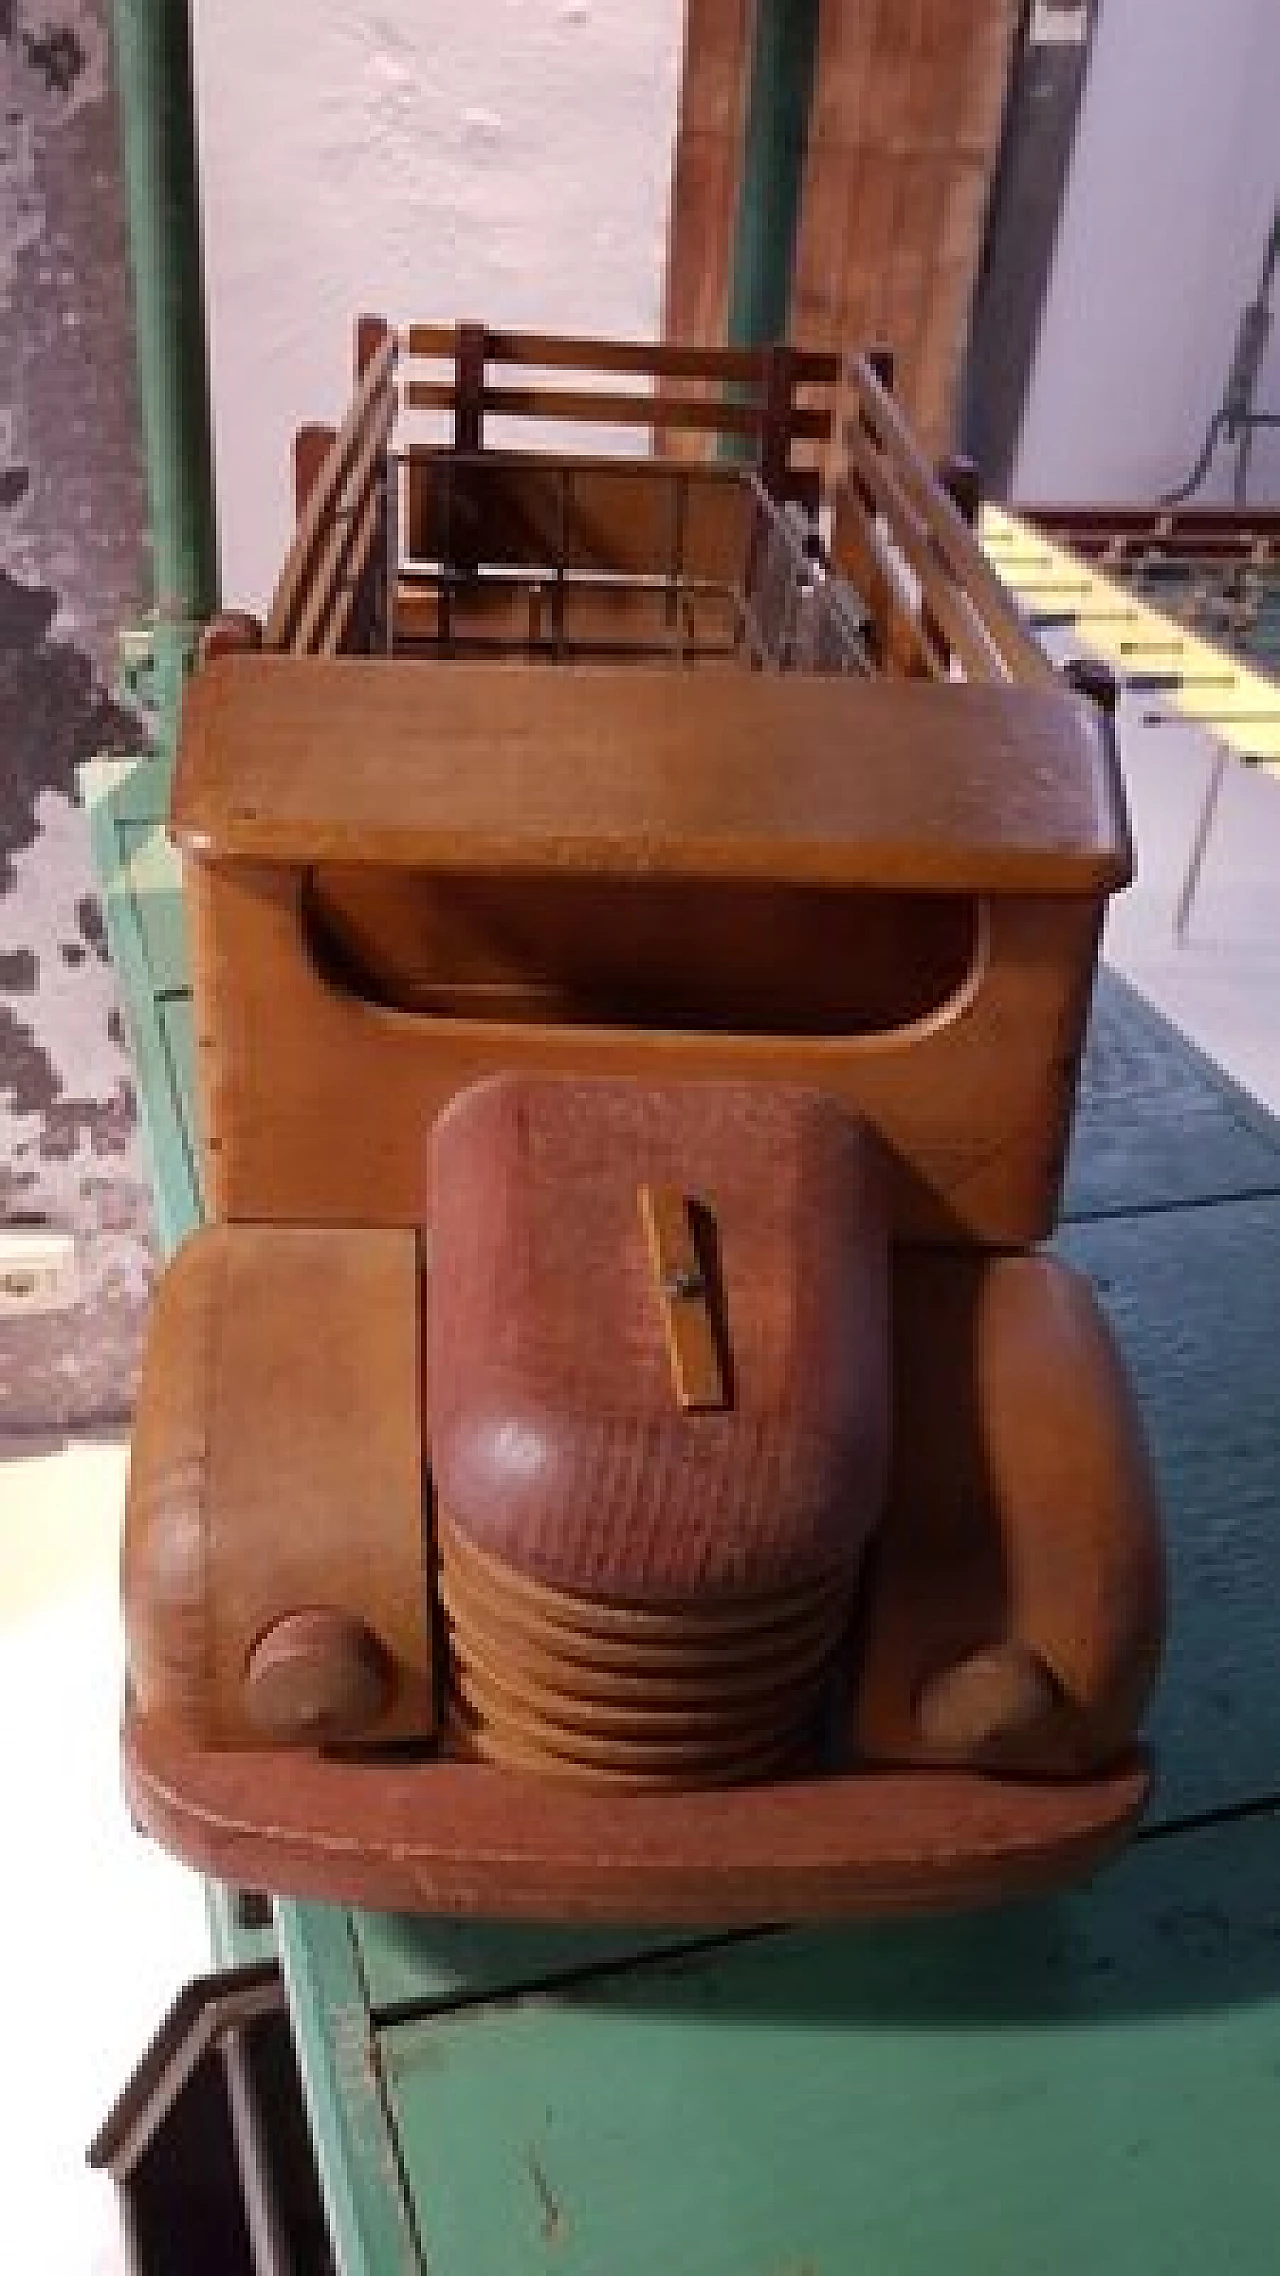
(37, 1270)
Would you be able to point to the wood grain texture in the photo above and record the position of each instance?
(689, 954)
(316, 1675)
(703, 1696)
(557, 1447)
(715, 72)
(276, 1471)
(598, 352)
(846, 1845)
(797, 779)
(611, 516)
(987, 1536)
(651, 1683)
(903, 135)
(973, 1104)
(701, 393)
(604, 407)
(890, 509)
(307, 580)
(1015, 1611)
(560, 784)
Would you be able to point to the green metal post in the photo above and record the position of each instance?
(152, 51)
(782, 74)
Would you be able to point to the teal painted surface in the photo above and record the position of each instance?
(177, 1033)
(139, 789)
(151, 873)
(370, 2216)
(152, 58)
(112, 793)
(1088, 2086)
(232, 1944)
(782, 70)
(1156, 1124)
(425, 1964)
(1194, 1296)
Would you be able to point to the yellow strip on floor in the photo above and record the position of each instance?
(1239, 705)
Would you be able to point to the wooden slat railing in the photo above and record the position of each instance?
(331, 556)
(891, 515)
(777, 397)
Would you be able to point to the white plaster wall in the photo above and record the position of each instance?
(505, 159)
(1173, 183)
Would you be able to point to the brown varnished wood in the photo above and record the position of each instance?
(367, 850)
(714, 86)
(638, 1635)
(598, 352)
(557, 1445)
(311, 447)
(276, 1470)
(686, 1746)
(316, 1675)
(343, 549)
(991, 1540)
(959, 590)
(602, 1685)
(231, 632)
(165, 1555)
(667, 1463)
(461, 1837)
(359, 440)
(795, 779)
(902, 138)
(682, 1293)
(577, 624)
(594, 513)
(513, 1744)
(603, 407)
(351, 596)
(753, 395)
(370, 333)
(626, 1671)
(1023, 1544)
(312, 1099)
(755, 959)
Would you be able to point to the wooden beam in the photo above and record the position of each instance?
(714, 79)
(903, 136)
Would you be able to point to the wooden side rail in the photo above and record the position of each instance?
(796, 778)
(326, 569)
(896, 529)
(775, 397)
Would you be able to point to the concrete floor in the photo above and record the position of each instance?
(107, 1929)
(1222, 985)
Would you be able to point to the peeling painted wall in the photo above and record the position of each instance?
(509, 161)
(73, 569)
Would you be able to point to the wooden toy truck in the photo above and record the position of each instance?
(653, 822)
